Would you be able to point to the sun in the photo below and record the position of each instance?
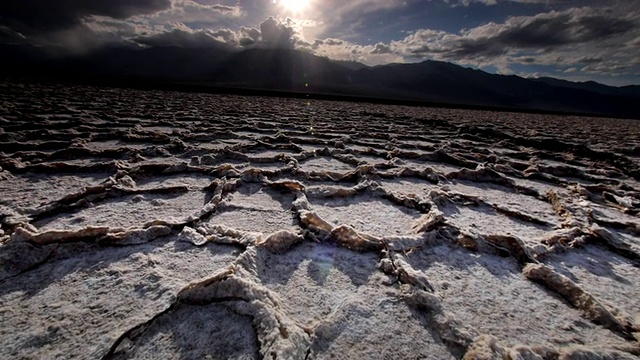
(294, 6)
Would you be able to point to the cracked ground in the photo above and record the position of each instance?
(147, 224)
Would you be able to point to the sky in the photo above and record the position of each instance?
(573, 40)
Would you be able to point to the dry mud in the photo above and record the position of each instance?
(147, 224)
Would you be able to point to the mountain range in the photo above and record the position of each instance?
(296, 71)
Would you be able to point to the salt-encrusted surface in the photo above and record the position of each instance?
(145, 224)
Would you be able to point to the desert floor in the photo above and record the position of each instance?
(164, 225)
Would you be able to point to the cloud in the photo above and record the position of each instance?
(344, 50)
(80, 25)
(276, 34)
(35, 16)
(248, 36)
(469, 2)
(588, 38)
(185, 38)
(569, 38)
(495, 2)
(328, 42)
(101, 25)
(189, 11)
(271, 33)
(381, 48)
(544, 31)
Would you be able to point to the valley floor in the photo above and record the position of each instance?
(148, 224)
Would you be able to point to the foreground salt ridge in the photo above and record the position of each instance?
(392, 276)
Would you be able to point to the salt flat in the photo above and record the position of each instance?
(277, 228)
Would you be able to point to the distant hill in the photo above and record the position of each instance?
(300, 71)
(352, 65)
(629, 90)
(441, 81)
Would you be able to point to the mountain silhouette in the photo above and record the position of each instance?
(298, 71)
(629, 90)
(280, 69)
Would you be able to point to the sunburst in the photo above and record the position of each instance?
(294, 6)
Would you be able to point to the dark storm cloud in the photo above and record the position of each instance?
(568, 28)
(547, 31)
(33, 16)
(543, 32)
(183, 38)
(277, 34)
